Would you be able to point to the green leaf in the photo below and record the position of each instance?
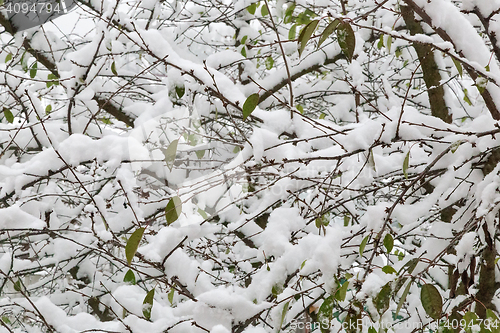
(403, 297)
(129, 277)
(252, 8)
(346, 39)
(363, 245)
(133, 244)
(180, 90)
(487, 68)
(325, 312)
(328, 31)
(380, 42)
(171, 296)
(406, 164)
(200, 153)
(8, 115)
(244, 39)
(305, 16)
(389, 242)
(431, 301)
(342, 291)
(495, 328)
(244, 51)
(389, 43)
(113, 68)
(411, 264)
(250, 104)
(351, 323)
(264, 11)
(48, 108)
(33, 70)
(289, 13)
(269, 63)
(322, 115)
(170, 154)
(306, 34)
(466, 97)
(347, 219)
(18, 286)
(458, 65)
(283, 314)
(383, 299)
(173, 210)
(292, 32)
(52, 77)
(387, 269)
(106, 121)
(147, 304)
(6, 319)
(277, 289)
(8, 58)
(202, 213)
(24, 62)
(372, 330)
(398, 52)
(470, 319)
(300, 108)
(53, 80)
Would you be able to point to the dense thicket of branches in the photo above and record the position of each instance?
(242, 166)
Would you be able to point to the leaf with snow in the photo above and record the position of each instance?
(147, 304)
(346, 39)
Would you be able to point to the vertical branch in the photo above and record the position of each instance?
(488, 100)
(284, 59)
(430, 69)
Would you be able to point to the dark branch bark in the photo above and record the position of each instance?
(488, 100)
(430, 69)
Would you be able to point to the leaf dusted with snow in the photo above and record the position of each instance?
(383, 299)
(147, 304)
(346, 39)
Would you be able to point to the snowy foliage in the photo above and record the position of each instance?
(145, 188)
